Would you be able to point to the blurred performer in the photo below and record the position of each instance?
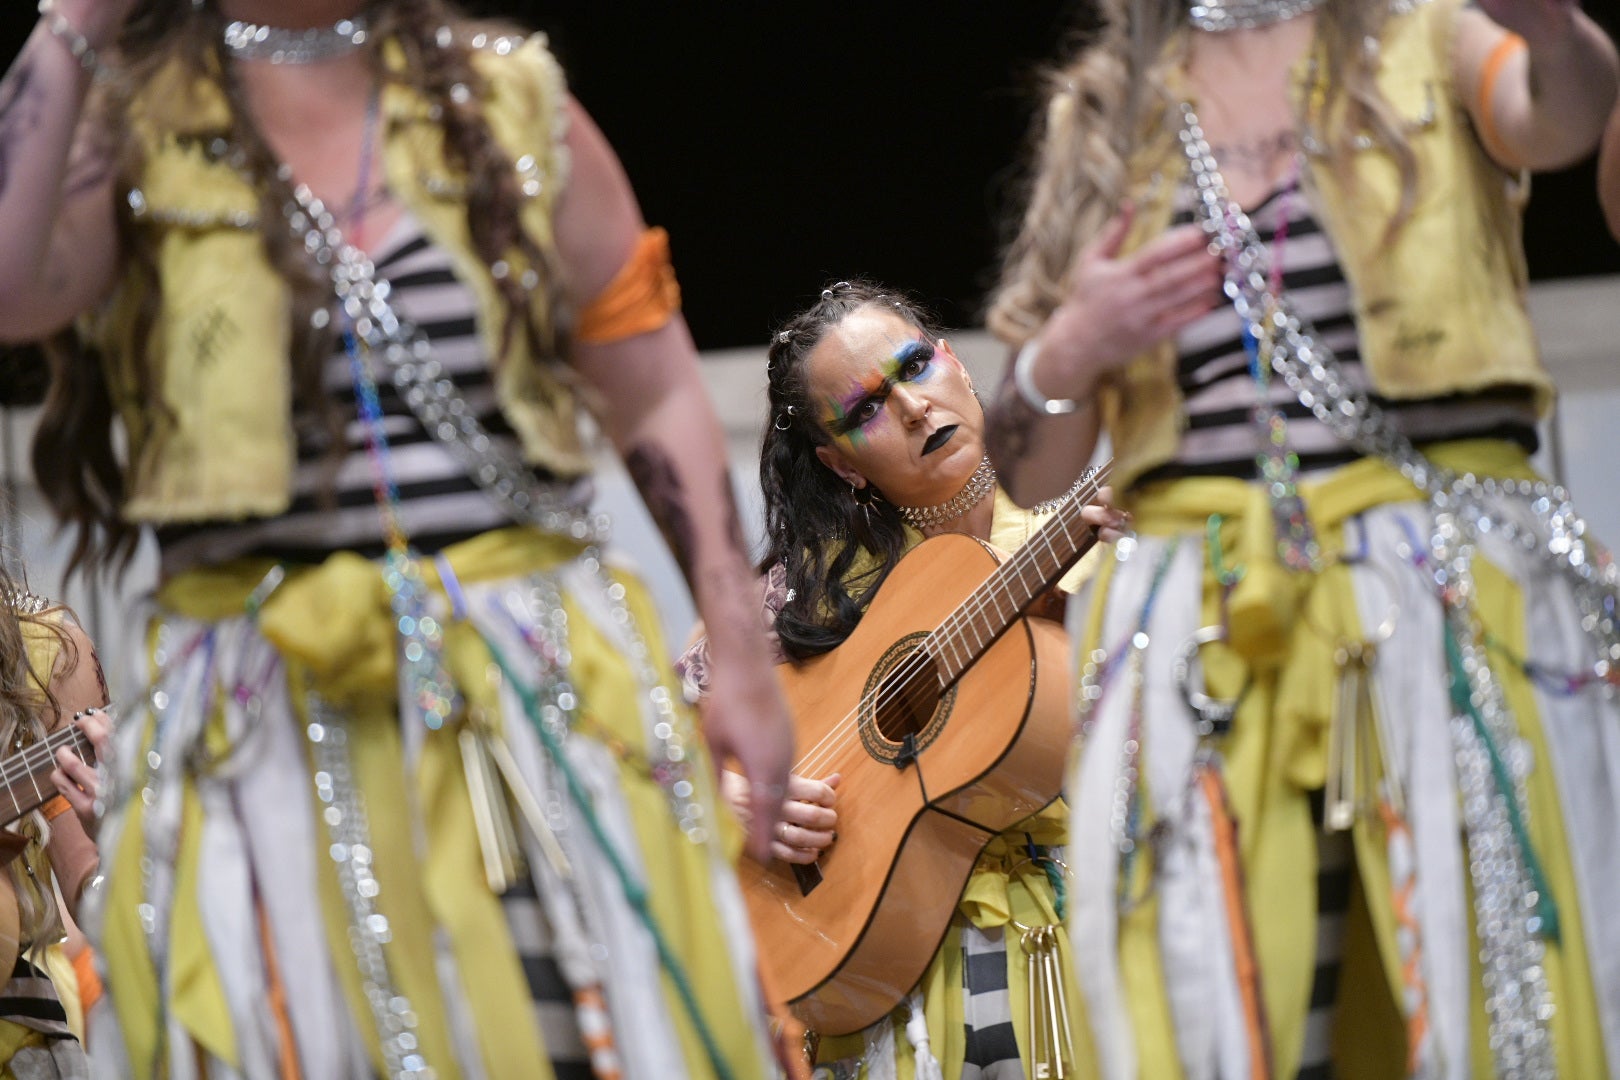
(411, 791)
(1349, 760)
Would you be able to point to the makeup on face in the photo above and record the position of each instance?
(855, 413)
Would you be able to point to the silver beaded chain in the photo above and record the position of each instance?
(350, 850)
(420, 379)
(1518, 1001)
(278, 45)
(1218, 16)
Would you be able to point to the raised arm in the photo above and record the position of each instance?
(56, 176)
(1538, 77)
(656, 411)
(1117, 307)
(1609, 174)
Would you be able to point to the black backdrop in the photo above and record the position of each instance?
(785, 144)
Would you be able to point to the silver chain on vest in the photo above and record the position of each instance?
(1508, 914)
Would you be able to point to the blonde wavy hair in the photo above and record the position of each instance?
(1108, 110)
(27, 709)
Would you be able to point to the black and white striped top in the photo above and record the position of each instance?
(336, 511)
(1220, 393)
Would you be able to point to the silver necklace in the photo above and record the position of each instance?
(257, 41)
(1217, 16)
(977, 487)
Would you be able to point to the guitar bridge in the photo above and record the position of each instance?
(808, 877)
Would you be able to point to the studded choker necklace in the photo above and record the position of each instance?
(1215, 16)
(256, 41)
(978, 485)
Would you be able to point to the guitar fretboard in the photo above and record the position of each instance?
(25, 783)
(1006, 594)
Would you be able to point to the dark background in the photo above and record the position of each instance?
(783, 145)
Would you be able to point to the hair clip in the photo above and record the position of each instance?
(834, 288)
(784, 337)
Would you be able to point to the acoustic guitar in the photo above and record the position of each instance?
(948, 712)
(25, 786)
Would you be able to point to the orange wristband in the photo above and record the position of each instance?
(1505, 49)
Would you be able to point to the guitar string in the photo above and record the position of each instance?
(983, 596)
(911, 692)
(31, 759)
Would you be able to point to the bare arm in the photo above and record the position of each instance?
(1609, 174)
(1541, 106)
(659, 417)
(1118, 307)
(56, 183)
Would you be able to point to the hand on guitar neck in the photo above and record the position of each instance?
(808, 819)
(76, 779)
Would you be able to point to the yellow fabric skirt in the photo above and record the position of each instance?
(226, 931)
(1006, 888)
(1144, 985)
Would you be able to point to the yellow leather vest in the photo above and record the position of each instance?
(1439, 306)
(223, 445)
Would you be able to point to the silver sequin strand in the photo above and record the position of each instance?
(278, 45)
(344, 813)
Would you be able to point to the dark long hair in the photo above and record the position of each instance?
(75, 460)
(817, 527)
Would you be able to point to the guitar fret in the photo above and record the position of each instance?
(1001, 598)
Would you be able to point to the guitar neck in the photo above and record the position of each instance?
(1033, 569)
(25, 777)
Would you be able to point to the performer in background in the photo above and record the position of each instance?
(1355, 610)
(50, 682)
(874, 441)
(409, 791)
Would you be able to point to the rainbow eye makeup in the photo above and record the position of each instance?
(861, 407)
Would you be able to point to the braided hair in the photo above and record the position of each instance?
(817, 526)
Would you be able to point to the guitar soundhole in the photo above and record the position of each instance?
(902, 710)
(907, 696)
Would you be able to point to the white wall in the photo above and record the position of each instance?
(1578, 321)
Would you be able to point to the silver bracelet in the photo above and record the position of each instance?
(1024, 380)
(69, 35)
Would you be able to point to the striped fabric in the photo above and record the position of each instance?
(552, 996)
(992, 1044)
(1335, 872)
(440, 504)
(29, 1001)
(1220, 392)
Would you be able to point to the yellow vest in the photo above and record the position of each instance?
(223, 444)
(1439, 307)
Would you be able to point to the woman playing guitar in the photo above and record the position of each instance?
(873, 419)
(52, 695)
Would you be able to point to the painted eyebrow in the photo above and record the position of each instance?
(848, 419)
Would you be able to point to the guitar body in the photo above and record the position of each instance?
(989, 752)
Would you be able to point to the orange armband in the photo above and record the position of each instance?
(1504, 50)
(642, 297)
(55, 808)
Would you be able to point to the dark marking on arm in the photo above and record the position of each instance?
(655, 477)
